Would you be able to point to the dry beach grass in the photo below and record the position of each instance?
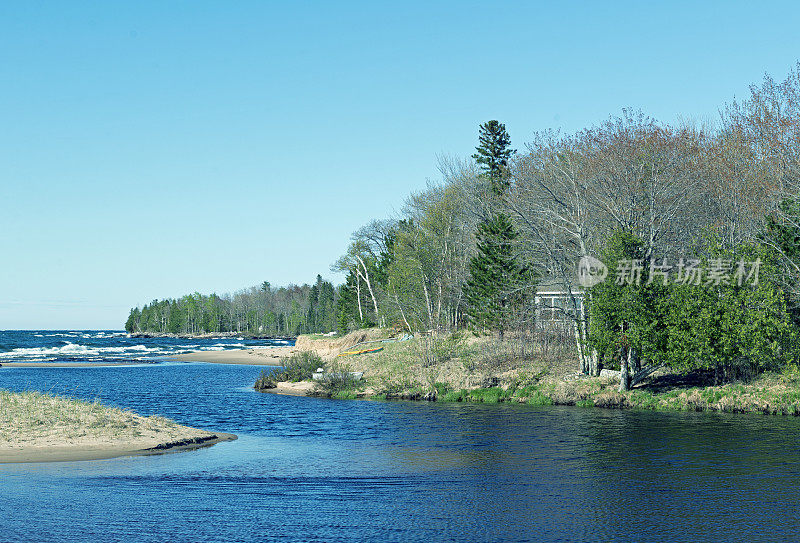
(35, 426)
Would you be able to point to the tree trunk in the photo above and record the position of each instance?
(439, 306)
(579, 342)
(402, 313)
(501, 324)
(594, 363)
(428, 303)
(371, 293)
(358, 298)
(624, 374)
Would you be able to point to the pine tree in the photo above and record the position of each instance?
(496, 282)
(493, 154)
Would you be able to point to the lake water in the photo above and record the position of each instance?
(307, 469)
(103, 346)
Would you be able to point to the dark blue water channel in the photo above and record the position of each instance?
(308, 469)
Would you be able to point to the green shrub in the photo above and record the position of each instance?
(488, 395)
(339, 383)
(301, 366)
(434, 349)
(441, 388)
(298, 367)
(396, 385)
(266, 380)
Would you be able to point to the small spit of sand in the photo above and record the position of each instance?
(36, 427)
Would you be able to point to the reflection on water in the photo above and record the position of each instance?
(320, 470)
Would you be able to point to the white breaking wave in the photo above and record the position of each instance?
(76, 349)
(103, 335)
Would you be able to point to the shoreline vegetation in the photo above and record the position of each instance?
(662, 256)
(39, 427)
(485, 370)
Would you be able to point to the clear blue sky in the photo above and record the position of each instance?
(151, 149)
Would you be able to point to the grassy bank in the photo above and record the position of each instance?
(772, 394)
(481, 369)
(420, 368)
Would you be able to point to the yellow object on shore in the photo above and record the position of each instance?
(361, 351)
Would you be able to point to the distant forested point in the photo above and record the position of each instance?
(262, 310)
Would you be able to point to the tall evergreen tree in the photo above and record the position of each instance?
(496, 281)
(493, 154)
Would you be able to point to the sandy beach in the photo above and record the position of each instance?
(36, 427)
(256, 357)
(60, 452)
(288, 388)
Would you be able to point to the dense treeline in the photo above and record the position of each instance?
(470, 250)
(263, 310)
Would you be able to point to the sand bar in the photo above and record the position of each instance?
(256, 357)
(75, 452)
(41, 427)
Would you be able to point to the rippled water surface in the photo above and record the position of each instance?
(309, 469)
(104, 346)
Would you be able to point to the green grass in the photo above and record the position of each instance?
(344, 395)
(769, 396)
(454, 396)
(537, 397)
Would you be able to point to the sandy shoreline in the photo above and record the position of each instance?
(41, 427)
(75, 452)
(256, 357)
(287, 388)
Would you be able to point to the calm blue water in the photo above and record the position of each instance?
(308, 469)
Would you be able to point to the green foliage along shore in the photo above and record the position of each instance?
(735, 329)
